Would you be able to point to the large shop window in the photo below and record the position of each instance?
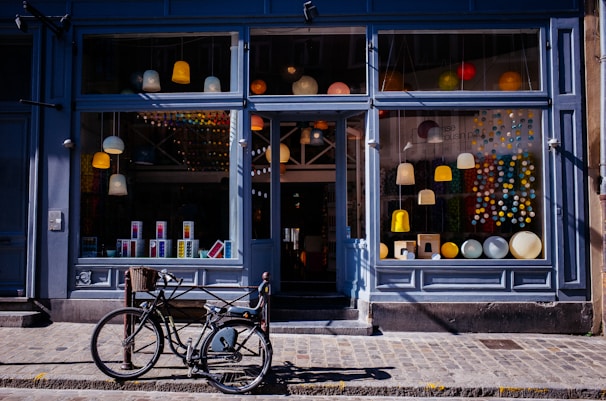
(168, 63)
(158, 184)
(308, 61)
(500, 60)
(461, 184)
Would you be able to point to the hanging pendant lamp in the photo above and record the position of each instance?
(305, 136)
(212, 84)
(434, 135)
(117, 185)
(443, 173)
(151, 81)
(405, 174)
(101, 159)
(427, 197)
(256, 123)
(113, 144)
(465, 161)
(181, 70)
(400, 222)
(317, 137)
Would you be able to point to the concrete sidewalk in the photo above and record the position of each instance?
(392, 364)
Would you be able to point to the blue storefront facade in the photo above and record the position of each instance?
(426, 160)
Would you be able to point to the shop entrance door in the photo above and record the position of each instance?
(307, 202)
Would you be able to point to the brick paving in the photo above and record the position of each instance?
(389, 365)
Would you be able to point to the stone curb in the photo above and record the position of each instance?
(327, 389)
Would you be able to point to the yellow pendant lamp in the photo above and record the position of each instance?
(443, 173)
(101, 159)
(400, 222)
(181, 70)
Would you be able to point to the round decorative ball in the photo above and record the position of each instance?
(495, 247)
(525, 245)
(306, 85)
(466, 71)
(383, 251)
(449, 250)
(510, 81)
(471, 249)
(338, 88)
(448, 81)
(258, 87)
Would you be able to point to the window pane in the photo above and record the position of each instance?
(129, 64)
(499, 195)
(308, 61)
(18, 72)
(176, 167)
(356, 183)
(447, 61)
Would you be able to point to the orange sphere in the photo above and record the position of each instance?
(391, 81)
(258, 87)
(510, 81)
(338, 88)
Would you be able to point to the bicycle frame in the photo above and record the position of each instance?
(160, 308)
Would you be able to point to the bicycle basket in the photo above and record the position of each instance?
(143, 278)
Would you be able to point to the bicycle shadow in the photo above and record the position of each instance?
(280, 377)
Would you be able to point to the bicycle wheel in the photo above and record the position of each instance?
(236, 356)
(124, 347)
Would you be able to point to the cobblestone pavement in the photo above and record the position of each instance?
(13, 394)
(388, 365)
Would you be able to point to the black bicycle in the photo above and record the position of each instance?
(231, 350)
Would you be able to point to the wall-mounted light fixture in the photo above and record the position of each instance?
(57, 29)
(310, 11)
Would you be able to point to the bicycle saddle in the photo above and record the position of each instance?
(243, 312)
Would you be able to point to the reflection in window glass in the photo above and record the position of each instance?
(177, 183)
(308, 61)
(152, 64)
(435, 204)
(448, 61)
(356, 183)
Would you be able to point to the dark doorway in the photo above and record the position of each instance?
(308, 261)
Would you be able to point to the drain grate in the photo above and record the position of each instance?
(500, 344)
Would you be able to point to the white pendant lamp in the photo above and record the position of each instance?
(434, 135)
(151, 81)
(465, 161)
(113, 144)
(406, 172)
(117, 185)
(212, 84)
(427, 197)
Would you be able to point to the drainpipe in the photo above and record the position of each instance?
(602, 23)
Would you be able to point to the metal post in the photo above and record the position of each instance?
(128, 301)
(266, 303)
(602, 23)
